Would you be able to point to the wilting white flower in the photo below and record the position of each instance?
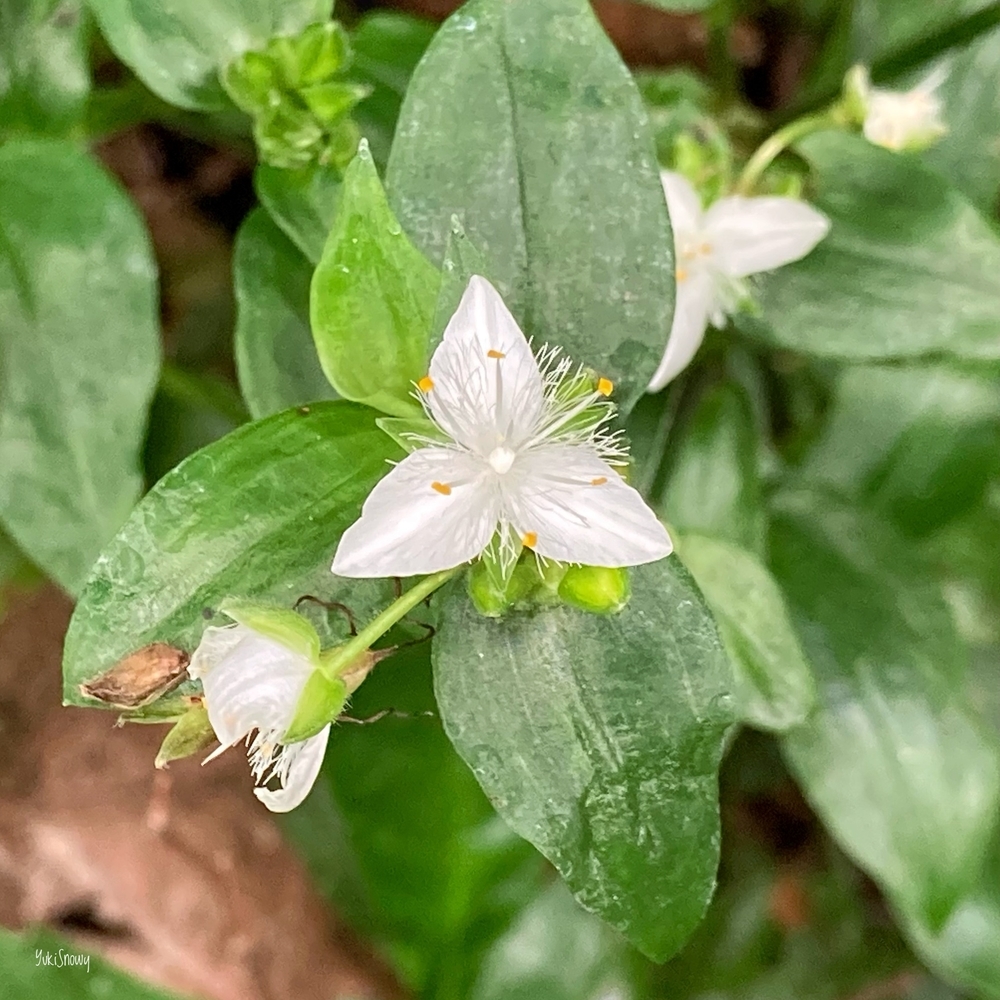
(905, 120)
(716, 249)
(524, 449)
(253, 684)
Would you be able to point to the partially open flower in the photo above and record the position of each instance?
(521, 446)
(716, 249)
(908, 120)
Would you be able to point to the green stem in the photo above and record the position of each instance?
(334, 661)
(770, 148)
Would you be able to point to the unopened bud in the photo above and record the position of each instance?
(491, 597)
(597, 589)
(191, 733)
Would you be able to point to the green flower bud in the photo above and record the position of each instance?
(191, 733)
(597, 589)
(492, 597)
(854, 100)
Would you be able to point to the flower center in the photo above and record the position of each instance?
(501, 459)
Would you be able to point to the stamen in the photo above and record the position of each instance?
(605, 386)
(599, 481)
(529, 539)
(705, 248)
(495, 354)
(681, 274)
(426, 384)
(443, 488)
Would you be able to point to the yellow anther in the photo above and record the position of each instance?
(495, 354)
(443, 488)
(529, 539)
(681, 274)
(599, 481)
(426, 384)
(605, 386)
(705, 248)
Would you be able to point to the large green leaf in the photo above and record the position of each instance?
(79, 354)
(969, 155)
(523, 122)
(302, 203)
(774, 685)
(39, 965)
(893, 759)
(257, 514)
(44, 74)
(918, 443)
(882, 27)
(598, 739)
(177, 49)
(444, 874)
(909, 266)
(275, 354)
(372, 299)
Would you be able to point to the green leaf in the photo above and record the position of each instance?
(44, 71)
(302, 202)
(713, 484)
(909, 267)
(523, 122)
(893, 760)
(275, 354)
(39, 965)
(177, 49)
(774, 684)
(919, 444)
(555, 951)
(255, 515)
(967, 155)
(598, 739)
(444, 874)
(80, 345)
(372, 301)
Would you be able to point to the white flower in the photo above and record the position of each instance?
(905, 120)
(717, 248)
(254, 683)
(524, 452)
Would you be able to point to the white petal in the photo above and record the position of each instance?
(409, 528)
(256, 684)
(750, 235)
(302, 774)
(580, 510)
(696, 301)
(683, 203)
(486, 384)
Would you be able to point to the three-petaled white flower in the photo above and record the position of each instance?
(905, 120)
(524, 450)
(253, 684)
(716, 249)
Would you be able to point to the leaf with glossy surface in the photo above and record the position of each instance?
(275, 355)
(303, 203)
(372, 299)
(256, 515)
(774, 684)
(44, 72)
(909, 266)
(598, 739)
(892, 759)
(177, 49)
(523, 122)
(80, 343)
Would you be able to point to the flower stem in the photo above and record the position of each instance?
(334, 661)
(771, 147)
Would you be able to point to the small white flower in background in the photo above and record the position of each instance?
(908, 120)
(524, 451)
(716, 249)
(253, 684)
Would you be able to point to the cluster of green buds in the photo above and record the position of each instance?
(298, 98)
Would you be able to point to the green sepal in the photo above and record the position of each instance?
(331, 100)
(403, 430)
(191, 733)
(601, 590)
(854, 100)
(251, 82)
(322, 700)
(492, 596)
(319, 52)
(289, 628)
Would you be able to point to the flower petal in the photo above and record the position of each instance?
(254, 684)
(438, 508)
(750, 235)
(683, 203)
(302, 773)
(575, 508)
(485, 384)
(696, 301)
